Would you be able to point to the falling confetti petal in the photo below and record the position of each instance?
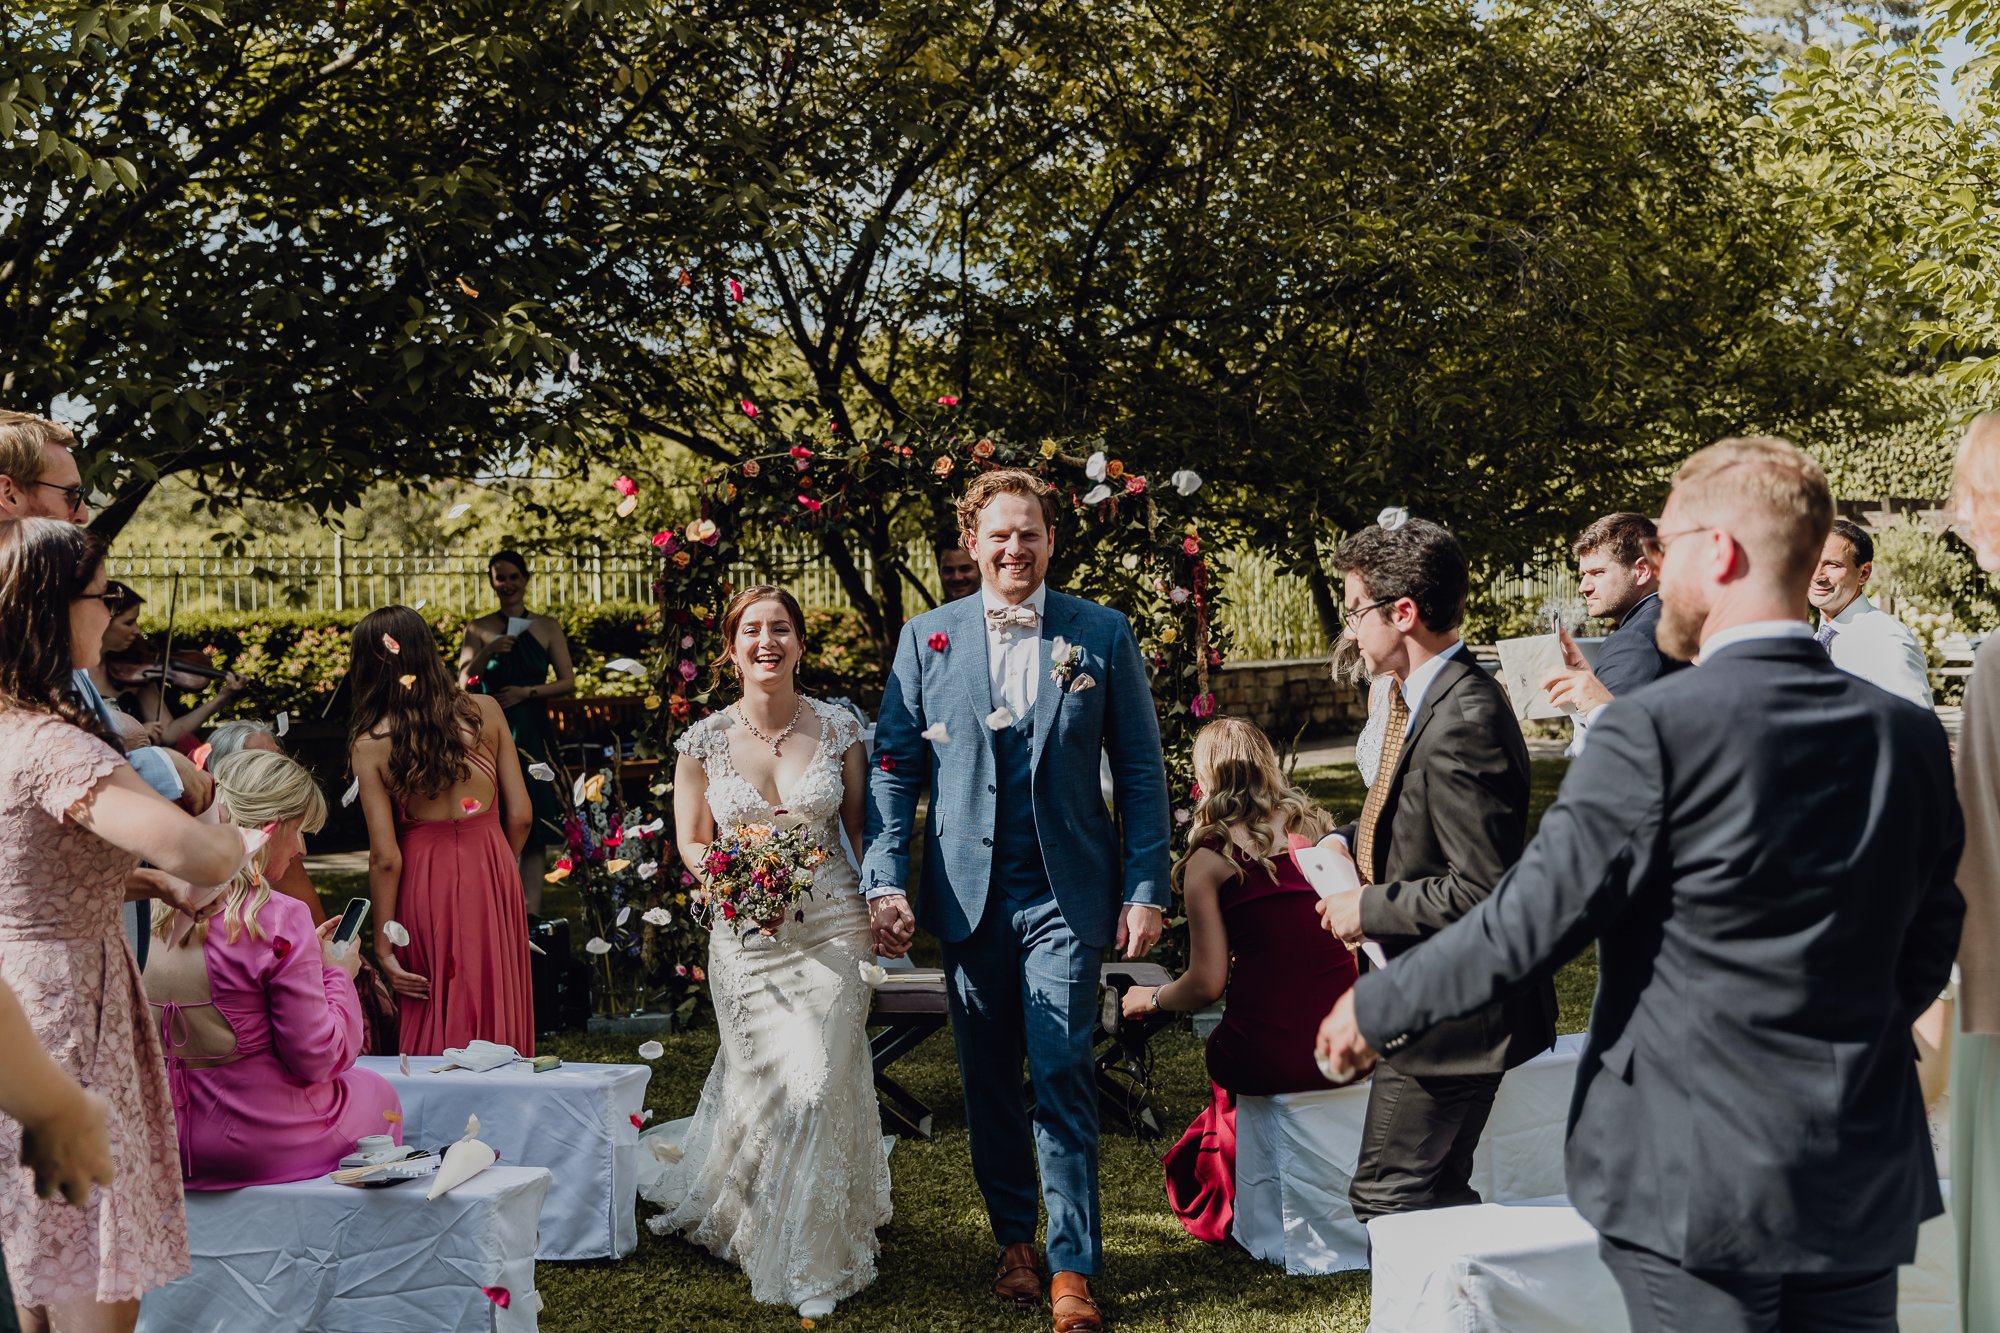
(1097, 494)
(468, 288)
(624, 913)
(556, 876)
(389, 642)
(1392, 518)
(284, 723)
(874, 973)
(459, 510)
(393, 1117)
(749, 408)
(936, 732)
(200, 756)
(500, 1296)
(1095, 467)
(648, 830)
(999, 719)
(596, 944)
(626, 665)
(352, 793)
(657, 916)
(407, 680)
(1186, 481)
(403, 1063)
(471, 805)
(664, 1151)
(612, 868)
(422, 602)
(575, 363)
(394, 932)
(541, 772)
(651, 1050)
(647, 869)
(627, 505)
(735, 290)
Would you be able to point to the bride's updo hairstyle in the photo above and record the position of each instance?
(732, 620)
(1241, 784)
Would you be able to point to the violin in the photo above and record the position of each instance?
(149, 660)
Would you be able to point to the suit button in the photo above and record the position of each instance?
(990, 789)
(986, 842)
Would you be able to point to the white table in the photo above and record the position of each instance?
(1499, 1268)
(316, 1257)
(576, 1120)
(1295, 1156)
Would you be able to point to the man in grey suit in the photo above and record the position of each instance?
(1764, 849)
(1001, 705)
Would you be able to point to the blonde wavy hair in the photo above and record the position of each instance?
(258, 788)
(1242, 786)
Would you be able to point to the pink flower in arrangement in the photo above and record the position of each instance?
(626, 486)
(664, 539)
(939, 641)
(1191, 546)
(1203, 705)
(947, 400)
(687, 880)
(751, 467)
(749, 408)
(800, 451)
(812, 506)
(1135, 485)
(688, 669)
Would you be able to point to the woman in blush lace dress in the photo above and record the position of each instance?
(782, 1170)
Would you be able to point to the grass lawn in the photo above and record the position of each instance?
(937, 1253)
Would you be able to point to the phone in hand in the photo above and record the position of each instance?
(350, 921)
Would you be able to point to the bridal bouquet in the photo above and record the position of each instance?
(758, 874)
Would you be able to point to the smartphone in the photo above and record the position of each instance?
(350, 921)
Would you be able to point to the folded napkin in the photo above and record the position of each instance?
(480, 1056)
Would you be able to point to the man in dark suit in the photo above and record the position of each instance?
(1764, 850)
(1617, 567)
(1446, 816)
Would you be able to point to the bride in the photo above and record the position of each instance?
(782, 1170)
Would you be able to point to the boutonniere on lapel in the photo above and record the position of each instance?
(939, 641)
(1064, 656)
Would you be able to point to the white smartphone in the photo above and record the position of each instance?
(350, 921)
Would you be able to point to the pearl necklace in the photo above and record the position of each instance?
(775, 742)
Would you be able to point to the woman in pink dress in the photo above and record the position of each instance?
(1249, 907)
(257, 1010)
(438, 772)
(74, 821)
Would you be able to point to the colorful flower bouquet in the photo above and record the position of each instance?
(758, 874)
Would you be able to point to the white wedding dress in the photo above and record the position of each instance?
(782, 1170)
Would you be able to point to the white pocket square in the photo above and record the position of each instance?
(1083, 682)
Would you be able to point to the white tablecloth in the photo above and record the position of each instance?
(576, 1120)
(1295, 1155)
(1501, 1269)
(316, 1257)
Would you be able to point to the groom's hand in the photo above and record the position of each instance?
(1139, 930)
(893, 923)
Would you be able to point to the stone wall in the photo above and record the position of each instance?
(1289, 698)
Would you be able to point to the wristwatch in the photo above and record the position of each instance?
(1156, 998)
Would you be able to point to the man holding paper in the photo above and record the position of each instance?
(1445, 818)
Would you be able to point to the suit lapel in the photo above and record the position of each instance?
(975, 672)
(1446, 680)
(1056, 619)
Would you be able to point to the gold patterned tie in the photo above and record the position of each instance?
(1385, 770)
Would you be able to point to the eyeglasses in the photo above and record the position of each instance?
(1661, 539)
(72, 494)
(105, 597)
(1350, 616)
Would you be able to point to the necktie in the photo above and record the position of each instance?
(1385, 772)
(1824, 638)
(1009, 617)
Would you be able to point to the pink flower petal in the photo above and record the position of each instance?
(500, 1296)
(389, 642)
(470, 805)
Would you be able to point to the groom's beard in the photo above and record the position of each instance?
(1679, 631)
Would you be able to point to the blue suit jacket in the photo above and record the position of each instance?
(1763, 848)
(1630, 656)
(1080, 843)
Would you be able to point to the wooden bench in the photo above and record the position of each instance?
(588, 730)
(905, 1014)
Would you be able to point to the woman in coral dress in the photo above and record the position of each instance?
(447, 812)
(257, 1009)
(74, 820)
(1254, 928)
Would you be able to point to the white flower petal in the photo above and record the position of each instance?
(541, 772)
(422, 602)
(874, 973)
(1059, 648)
(647, 869)
(284, 723)
(471, 1125)
(1186, 481)
(664, 1152)
(658, 916)
(596, 945)
(403, 1064)
(352, 794)
(936, 732)
(1392, 518)
(999, 719)
(1182, 816)
(624, 915)
(576, 789)
(626, 665)
(459, 510)
(1097, 494)
(396, 933)
(651, 1050)
(1093, 467)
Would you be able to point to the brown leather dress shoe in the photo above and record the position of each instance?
(1075, 1312)
(1019, 1281)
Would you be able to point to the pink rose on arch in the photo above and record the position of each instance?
(664, 539)
(1135, 485)
(1203, 705)
(626, 486)
(688, 669)
(947, 400)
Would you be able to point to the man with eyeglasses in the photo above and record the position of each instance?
(39, 479)
(1445, 817)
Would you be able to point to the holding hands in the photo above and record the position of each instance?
(894, 924)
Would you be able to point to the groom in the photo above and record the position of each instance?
(1001, 704)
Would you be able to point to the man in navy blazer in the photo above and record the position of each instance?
(1618, 573)
(1764, 850)
(1001, 705)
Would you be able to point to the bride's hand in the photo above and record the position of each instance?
(893, 923)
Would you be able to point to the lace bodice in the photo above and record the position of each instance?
(58, 881)
(815, 797)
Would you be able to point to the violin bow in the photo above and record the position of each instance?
(167, 652)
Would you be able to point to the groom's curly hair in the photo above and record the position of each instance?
(1004, 481)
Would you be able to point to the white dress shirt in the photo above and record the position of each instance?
(1870, 643)
(1755, 629)
(1418, 683)
(1014, 655)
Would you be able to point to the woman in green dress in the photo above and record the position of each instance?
(509, 655)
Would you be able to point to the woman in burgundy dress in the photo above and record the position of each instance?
(1247, 904)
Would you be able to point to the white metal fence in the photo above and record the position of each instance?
(1269, 612)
